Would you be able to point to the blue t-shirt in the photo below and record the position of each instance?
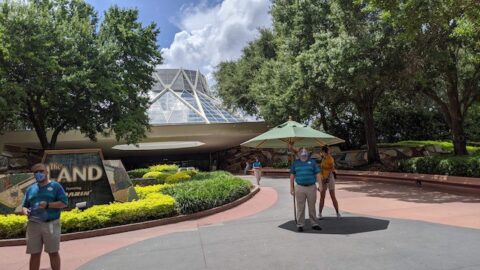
(305, 171)
(257, 165)
(35, 194)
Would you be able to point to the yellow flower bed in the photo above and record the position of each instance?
(154, 205)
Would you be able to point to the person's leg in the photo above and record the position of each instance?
(323, 193)
(312, 200)
(331, 189)
(54, 260)
(34, 244)
(334, 199)
(257, 176)
(301, 197)
(52, 243)
(35, 261)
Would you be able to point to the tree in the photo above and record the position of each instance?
(235, 78)
(61, 70)
(357, 60)
(444, 57)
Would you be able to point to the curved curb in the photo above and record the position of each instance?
(140, 225)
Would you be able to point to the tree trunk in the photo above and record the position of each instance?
(370, 135)
(456, 116)
(458, 132)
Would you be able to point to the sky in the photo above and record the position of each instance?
(199, 34)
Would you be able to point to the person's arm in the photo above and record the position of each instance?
(56, 205)
(319, 181)
(25, 205)
(61, 200)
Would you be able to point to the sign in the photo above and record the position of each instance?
(82, 175)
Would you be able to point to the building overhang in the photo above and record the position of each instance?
(201, 138)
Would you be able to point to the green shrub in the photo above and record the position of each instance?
(445, 165)
(164, 168)
(191, 173)
(446, 146)
(100, 216)
(137, 173)
(177, 178)
(143, 192)
(160, 177)
(280, 165)
(12, 226)
(154, 205)
(195, 196)
(212, 175)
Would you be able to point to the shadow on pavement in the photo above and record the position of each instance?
(345, 225)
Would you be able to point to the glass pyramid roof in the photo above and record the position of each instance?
(181, 96)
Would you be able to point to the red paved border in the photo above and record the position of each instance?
(77, 252)
(140, 225)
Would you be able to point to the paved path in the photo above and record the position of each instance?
(77, 252)
(260, 234)
(268, 240)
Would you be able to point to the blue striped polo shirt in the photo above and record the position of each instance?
(305, 171)
(51, 192)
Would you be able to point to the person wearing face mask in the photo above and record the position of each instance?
(42, 204)
(305, 173)
(257, 169)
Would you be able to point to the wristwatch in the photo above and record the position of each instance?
(46, 207)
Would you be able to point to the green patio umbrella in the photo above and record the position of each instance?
(292, 133)
(295, 134)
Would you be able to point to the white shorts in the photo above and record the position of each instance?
(331, 183)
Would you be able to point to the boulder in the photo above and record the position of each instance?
(3, 164)
(18, 163)
(389, 152)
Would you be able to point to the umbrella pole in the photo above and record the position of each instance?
(294, 201)
(294, 206)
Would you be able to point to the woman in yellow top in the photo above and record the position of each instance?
(328, 181)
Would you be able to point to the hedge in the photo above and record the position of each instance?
(143, 192)
(137, 173)
(156, 201)
(195, 196)
(164, 168)
(446, 146)
(159, 176)
(468, 166)
(179, 177)
(153, 206)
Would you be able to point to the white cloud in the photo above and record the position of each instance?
(211, 34)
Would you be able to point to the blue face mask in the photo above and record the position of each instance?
(39, 176)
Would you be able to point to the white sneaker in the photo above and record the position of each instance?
(338, 215)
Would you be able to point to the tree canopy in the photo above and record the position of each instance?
(60, 69)
(340, 64)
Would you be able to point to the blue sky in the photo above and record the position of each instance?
(165, 13)
(199, 34)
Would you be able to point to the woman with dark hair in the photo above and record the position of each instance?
(328, 181)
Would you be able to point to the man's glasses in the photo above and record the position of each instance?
(37, 171)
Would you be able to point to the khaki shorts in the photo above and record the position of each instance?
(44, 233)
(331, 183)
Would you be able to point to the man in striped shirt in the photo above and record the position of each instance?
(305, 173)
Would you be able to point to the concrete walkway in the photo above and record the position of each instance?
(268, 240)
(260, 234)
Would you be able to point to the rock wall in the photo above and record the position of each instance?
(18, 159)
(234, 159)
